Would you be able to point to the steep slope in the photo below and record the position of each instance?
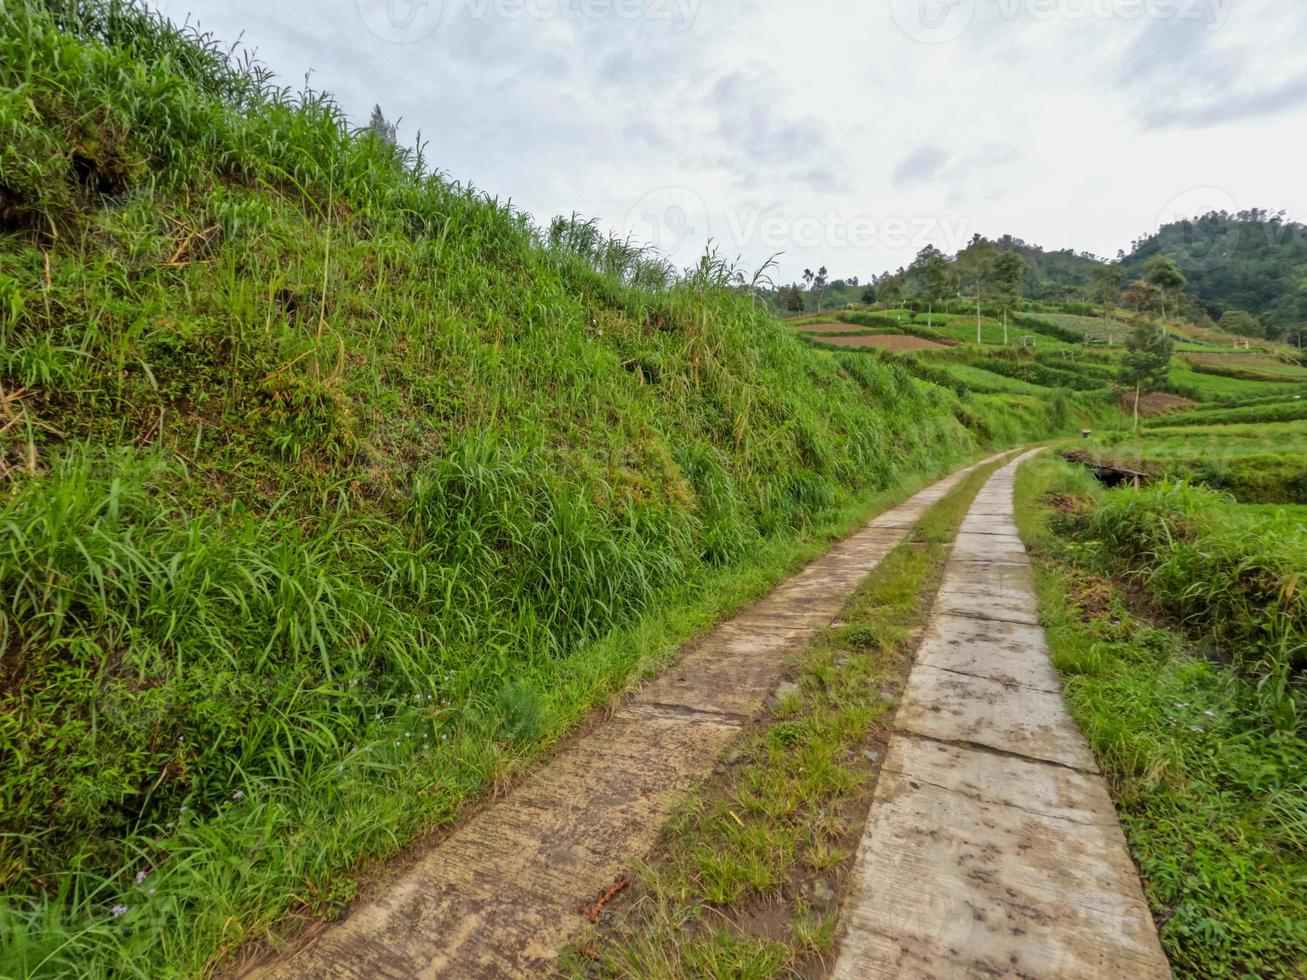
(331, 488)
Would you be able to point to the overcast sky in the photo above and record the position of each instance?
(843, 132)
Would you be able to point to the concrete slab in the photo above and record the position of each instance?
(1012, 577)
(989, 547)
(1011, 609)
(952, 707)
(1009, 653)
(976, 865)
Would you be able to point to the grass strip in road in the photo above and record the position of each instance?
(747, 878)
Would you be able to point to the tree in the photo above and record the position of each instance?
(889, 290)
(869, 295)
(790, 299)
(816, 283)
(1146, 365)
(1140, 296)
(929, 274)
(1107, 291)
(1241, 323)
(1009, 275)
(1163, 273)
(975, 266)
(382, 128)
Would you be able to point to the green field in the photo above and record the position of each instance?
(1097, 328)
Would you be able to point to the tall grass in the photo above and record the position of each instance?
(1232, 577)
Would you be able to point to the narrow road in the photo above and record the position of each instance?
(993, 848)
(502, 894)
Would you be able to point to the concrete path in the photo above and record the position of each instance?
(502, 895)
(993, 848)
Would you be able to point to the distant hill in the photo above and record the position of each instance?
(1254, 261)
(1061, 276)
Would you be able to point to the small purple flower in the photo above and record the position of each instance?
(118, 911)
(141, 876)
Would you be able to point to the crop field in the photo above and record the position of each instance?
(880, 342)
(1112, 332)
(963, 328)
(1252, 366)
(978, 379)
(1255, 463)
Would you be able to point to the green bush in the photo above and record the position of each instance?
(1234, 578)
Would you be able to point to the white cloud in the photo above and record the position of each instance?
(821, 127)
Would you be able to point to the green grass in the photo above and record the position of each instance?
(1250, 365)
(1205, 768)
(1094, 327)
(1264, 463)
(988, 382)
(747, 871)
(1286, 409)
(1216, 388)
(962, 327)
(1291, 512)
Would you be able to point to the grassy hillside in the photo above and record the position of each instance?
(333, 490)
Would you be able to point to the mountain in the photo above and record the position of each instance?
(1255, 261)
(1055, 276)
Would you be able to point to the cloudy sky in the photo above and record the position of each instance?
(843, 132)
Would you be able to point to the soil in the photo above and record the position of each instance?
(829, 328)
(884, 342)
(1157, 404)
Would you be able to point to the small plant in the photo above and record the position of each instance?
(861, 638)
(519, 712)
(788, 733)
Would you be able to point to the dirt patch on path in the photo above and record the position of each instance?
(510, 887)
(885, 341)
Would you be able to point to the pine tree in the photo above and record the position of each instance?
(382, 128)
(1146, 365)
